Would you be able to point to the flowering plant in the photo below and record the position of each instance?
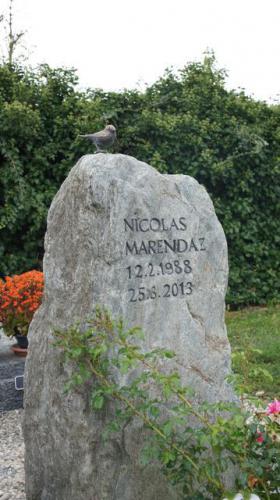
(195, 444)
(272, 424)
(264, 430)
(267, 421)
(20, 296)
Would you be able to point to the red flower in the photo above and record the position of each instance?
(260, 438)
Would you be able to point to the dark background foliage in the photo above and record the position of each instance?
(185, 123)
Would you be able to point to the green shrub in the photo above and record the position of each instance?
(185, 123)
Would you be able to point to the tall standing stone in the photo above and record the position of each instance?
(150, 248)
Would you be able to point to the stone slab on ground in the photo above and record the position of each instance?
(10, 367)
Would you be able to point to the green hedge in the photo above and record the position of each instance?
(185, 123)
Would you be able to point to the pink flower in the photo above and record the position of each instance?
(273, 407)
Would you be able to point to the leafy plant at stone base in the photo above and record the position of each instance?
(190, 455)
(20, 297)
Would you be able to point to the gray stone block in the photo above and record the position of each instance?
(150, 248)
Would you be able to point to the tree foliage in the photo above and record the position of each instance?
(185, 123)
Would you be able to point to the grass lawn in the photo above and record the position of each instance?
(250, 331)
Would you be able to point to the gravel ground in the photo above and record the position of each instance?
(11, 456)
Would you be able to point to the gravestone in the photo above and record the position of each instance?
(150, 248)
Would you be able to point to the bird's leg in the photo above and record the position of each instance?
(99, 151)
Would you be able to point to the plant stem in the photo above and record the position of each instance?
(178, 394)
(151, 425)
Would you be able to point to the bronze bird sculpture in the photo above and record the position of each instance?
(103, 139)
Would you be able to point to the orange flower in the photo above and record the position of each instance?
(20, 296)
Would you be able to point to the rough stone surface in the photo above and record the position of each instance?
(97, 251)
